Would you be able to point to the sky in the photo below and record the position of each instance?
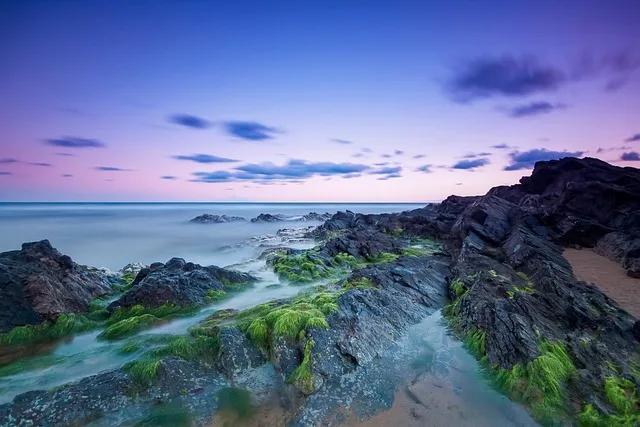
(344, 101)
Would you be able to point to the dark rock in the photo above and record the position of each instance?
(178, 282)
(363, 242)
(114, 398)
(237, 353)
(624, 248)
(38, 283)
(216, 219)
(311, 216)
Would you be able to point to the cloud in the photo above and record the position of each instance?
(5, 173)
(503, 76)
(74, 142)
(205, 158)
(386, 156)
(419, 156)
(398, 152)
(65, 154)
(367, 150)
(634, 138)
(386, 170)
(615, 67)
(169, 177)
(357, 155)
(7, 161)
(513, 76)
(250, 131)
(67, 175)
(189, 121)
(293, 170)
(527, 159)
(631, 156)
(424, 169)
(502, 147)
(111, 169)
(381, 164)
(46, 165)
(606, 150)
(476, 155)
(533, 109)
(390, 176)
(341, 141)
(471, 164)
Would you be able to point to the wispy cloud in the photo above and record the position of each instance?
(7, 161)
(471, 164)
(533, 109)
(46, 165)
(169, 177)
(424, 169)
(502, 147)
(366, 150)
(419, 156)
(74, 142)
(111, 169)
(189, 121)
(386, 156)
(476, 155)
(632, 156)
(527, 159)
(65, 154)
(342, 141)
(250, 131)
(634, 138)
(4, 173)
(67, 175)
(205, 158)
(398, 152)
(293, 170)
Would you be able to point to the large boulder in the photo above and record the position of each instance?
(38, 283)
(181, 283)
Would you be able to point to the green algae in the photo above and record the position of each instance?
(65, 324)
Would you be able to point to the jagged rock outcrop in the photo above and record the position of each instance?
(179, 282)
(38, 283)
(216, 219)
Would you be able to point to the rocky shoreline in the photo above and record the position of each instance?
(492, 263)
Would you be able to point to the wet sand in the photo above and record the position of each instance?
(608, 275)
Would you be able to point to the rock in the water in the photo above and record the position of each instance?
(311, 216)
(132, 268)
(38, 283)
(216, 219)
(179, 282)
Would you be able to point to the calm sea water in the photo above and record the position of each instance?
(114, 234)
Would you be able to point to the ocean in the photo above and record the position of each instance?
(112, 235)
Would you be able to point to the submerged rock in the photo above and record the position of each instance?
(181, 283)
(216, 219)
(38, 283)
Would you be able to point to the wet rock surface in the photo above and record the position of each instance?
(311, 216)
(38, 283)
(115, 398)
(179, 282)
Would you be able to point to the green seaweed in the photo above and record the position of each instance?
(65, 324)
(622, 395)
(164, 311)
(144, 371)
(128, 326)
(476, 343)
(360, 283)
(458, 288)
(541, 382)
(383, 258)
(28, 365)
(214, 295)
(302, 376)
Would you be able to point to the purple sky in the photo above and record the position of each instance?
(308, 101)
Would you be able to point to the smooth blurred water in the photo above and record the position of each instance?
(114, 234)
